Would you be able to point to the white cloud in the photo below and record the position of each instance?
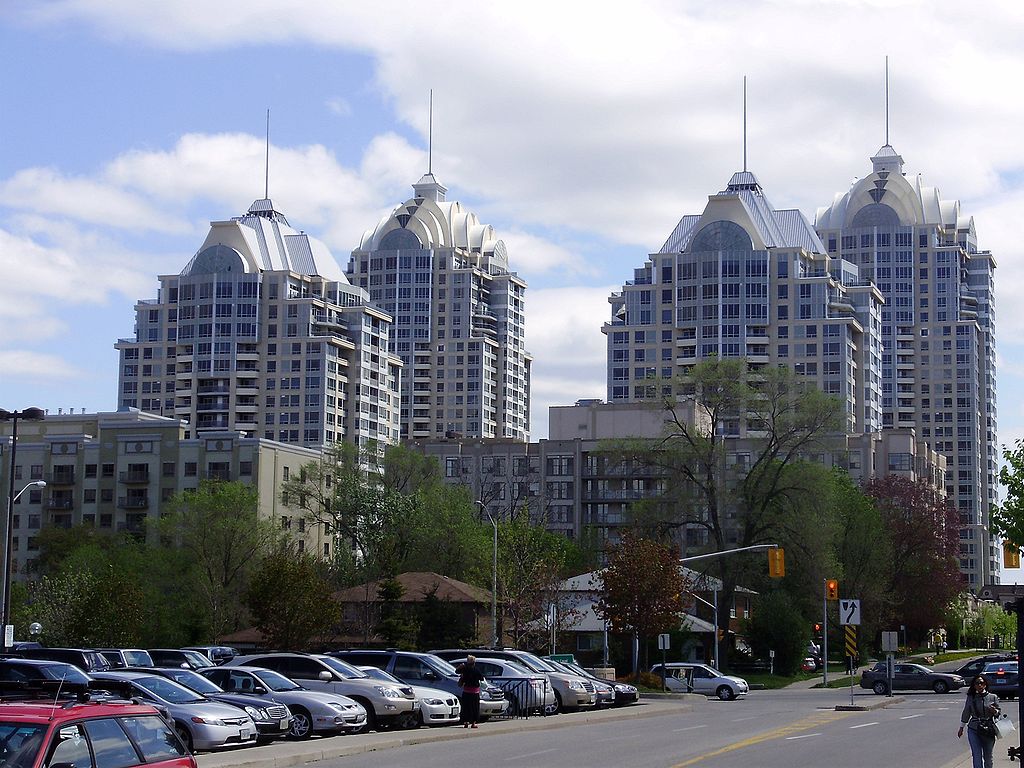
(339, 106)
(25, 364)
(563, 333)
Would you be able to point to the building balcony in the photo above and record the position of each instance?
(134, 477)
(60, 503)
(206, 389)
(61, 477)
(133, 502)
(218, 474)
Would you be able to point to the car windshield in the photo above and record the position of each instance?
(277, 682)
(67, 672)
(380, 674)
(168, 690)
(197, 659)
(536, 663)
(138, 658)
(193, 680)
(441, 665)
(342, 668)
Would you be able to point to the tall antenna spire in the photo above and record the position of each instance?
(744, 123)
(266, 163)
(887, 100)
(430, 132)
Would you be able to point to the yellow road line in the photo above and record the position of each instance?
(822, 718)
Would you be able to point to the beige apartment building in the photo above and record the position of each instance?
(115, 472)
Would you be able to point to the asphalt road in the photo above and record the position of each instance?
(768, 729)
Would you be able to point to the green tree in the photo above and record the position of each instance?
(532, 562)
(641, 590)
(86, 609)
(388, 505)
(1007, 519)
(778, 625)
(736, 503)
(291, 602)
(218, 526)
(395, 626)
(442, 624)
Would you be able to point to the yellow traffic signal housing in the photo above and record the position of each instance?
(831, 589)
(1011, 555)
(776, 563)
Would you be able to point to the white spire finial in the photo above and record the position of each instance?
(744, 123)
(887, 100)
(266, 163)
(430, 132)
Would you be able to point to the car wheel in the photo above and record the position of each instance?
(302, 724)
(880, 688)
(184, 735)
(554, 709)
(371, 716)
(725, 693)
(940, 686)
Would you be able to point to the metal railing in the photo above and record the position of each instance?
(526, 696)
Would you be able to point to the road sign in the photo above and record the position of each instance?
(663, 641)
(849, 612)
(851, 641)
(890, 641)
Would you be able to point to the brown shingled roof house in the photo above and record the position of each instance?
(424, 595)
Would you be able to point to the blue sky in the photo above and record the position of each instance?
(581, 131)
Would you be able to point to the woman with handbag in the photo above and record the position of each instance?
(979, 710)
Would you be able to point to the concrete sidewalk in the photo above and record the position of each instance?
(1000, 759)
(283, 754)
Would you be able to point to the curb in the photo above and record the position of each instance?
(885, 702)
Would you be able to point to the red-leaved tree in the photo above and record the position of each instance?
(924, 536)
(641, 590)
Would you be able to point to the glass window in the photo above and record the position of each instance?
(154, 738)
(110, 745)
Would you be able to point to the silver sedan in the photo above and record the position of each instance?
(312, 711)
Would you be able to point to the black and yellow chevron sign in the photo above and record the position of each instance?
(851, 640)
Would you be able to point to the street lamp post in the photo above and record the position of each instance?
(720, 554)
(29, 414)
(494, 577)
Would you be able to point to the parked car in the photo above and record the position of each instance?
(37, 732)
(273, 720)
(178, 657)
(85, 659)
(974, 667)
(218, 654)
(1002, 679)
(425, 669)
(909, 677)
(527, 691)
(571, 691)
(312, 711)
(385, 705)
(437, 707)
(604, 695)
(199, 722)
(13, 670)
(685, 676)
(624, 693)
(126, 657)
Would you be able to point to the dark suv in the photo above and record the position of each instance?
(85, 659)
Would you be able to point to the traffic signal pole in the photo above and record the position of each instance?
(824, 631)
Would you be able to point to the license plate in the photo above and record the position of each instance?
(455, 712)
(1000, 682)
(246, 733)
(284, 723)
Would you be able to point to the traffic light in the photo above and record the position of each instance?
(831, 589)
(776, 563)
(1011, 555)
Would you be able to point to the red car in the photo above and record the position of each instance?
(62, 732)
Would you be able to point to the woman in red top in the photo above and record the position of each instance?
(470, 679)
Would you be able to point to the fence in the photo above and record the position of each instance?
(526, 695)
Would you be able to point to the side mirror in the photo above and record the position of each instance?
(430, 675)
(259, 689)
(325, 675)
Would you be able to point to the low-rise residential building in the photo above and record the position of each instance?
(116, 472)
